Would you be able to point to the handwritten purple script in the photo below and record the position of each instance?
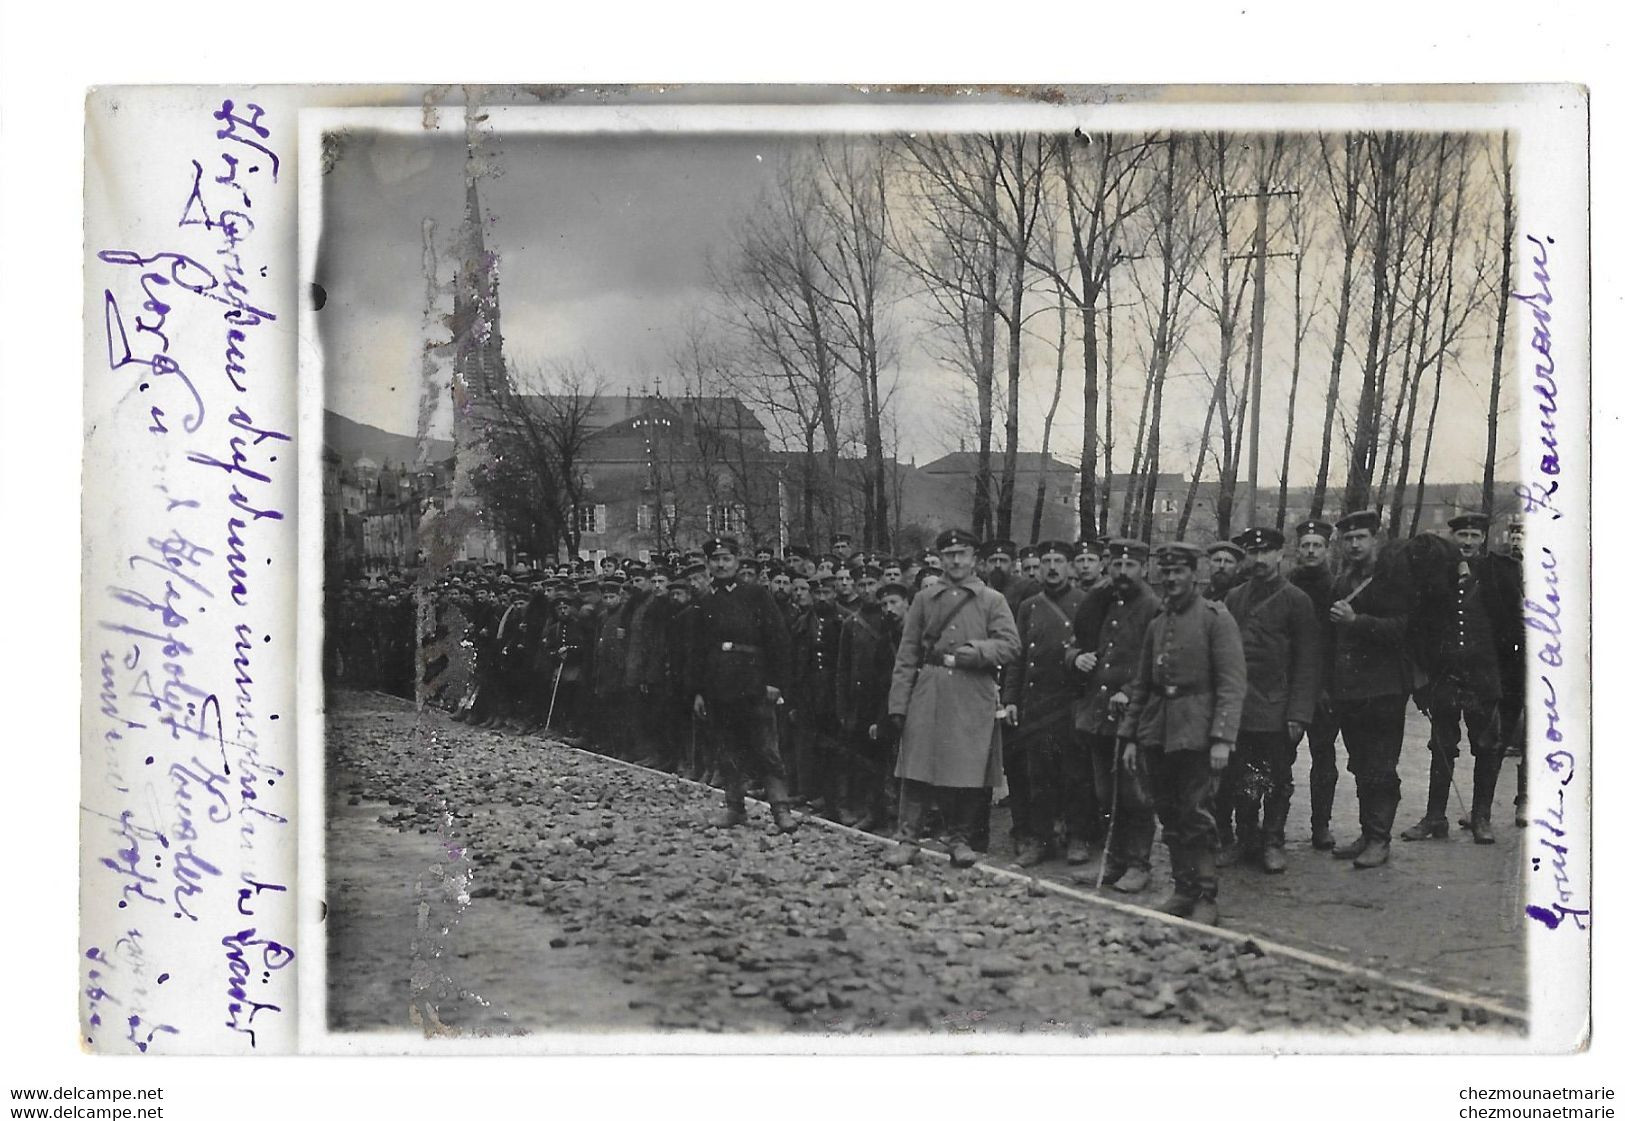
(1543, 618)
(181, 738)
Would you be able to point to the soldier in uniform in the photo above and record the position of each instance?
(700, 762)
(609, 670)
(1312, 572)
(564, 645)
(868, 646)
(738, 663)
(1464, 668)
(1088, 566)
(1224, 569)
(1513, 729)
(1183, 716)
(1027, 560)
(1038, 710)
(1281, 638)
(944, 697)
(812, 700)
(647, 635)
(1106, 657)
(1369, 681)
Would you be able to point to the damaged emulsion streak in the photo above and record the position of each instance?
(174, 844)
(1543, 616)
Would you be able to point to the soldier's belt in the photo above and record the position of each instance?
(1172, 691)
(947, 661)
(739, 648)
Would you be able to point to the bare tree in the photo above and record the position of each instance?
(1178, 237)
(1343, 175)
(860, 268)
(529, 474)
(952, 250)
(1101, 180)
(1037, 528)
(986, 191)
(776, 298)
(1302, 221)
(1503, 297)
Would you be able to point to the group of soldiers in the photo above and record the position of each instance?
(1100, 688)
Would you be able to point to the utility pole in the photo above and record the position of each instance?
(1255, 363)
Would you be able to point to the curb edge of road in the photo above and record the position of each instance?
(1278, 949)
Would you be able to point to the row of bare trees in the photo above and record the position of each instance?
(1008, 257)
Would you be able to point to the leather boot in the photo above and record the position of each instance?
(1379, 821)
(1486, 769)
(966, 805)
(1130, 881)
(1322, 792)
(783, 818)
(1272, 857)
(1353, 849)
(1434, 823)
(1249, 841)
(911, 806)
(1182, 899)
(1375, 853)
(1205, 873)
(728, 817)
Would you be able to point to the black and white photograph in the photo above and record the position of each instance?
(1022, 572)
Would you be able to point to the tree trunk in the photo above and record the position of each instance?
(1298, 333)
(1357, 491)
(1502, 304)
(1201, 457)
(1350, 230)
(1049, 423)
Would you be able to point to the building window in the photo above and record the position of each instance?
(590, 518)
(725, 518)
(646, 517)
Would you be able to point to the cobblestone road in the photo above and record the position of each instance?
(484, 882)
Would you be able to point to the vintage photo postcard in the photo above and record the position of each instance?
(1066, 570)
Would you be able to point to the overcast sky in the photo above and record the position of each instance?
(604, 243)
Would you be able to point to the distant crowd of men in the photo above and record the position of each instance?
(1099, 687)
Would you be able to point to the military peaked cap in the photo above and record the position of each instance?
(1128, 547)
(1224, 547)
(1045, 548)
(1180, 552)
(1314, 527)
(1029, 551)
(894, 589)
(726, 543)
(1470, 521)
(1359, 519)
(955, 538)
(1260, 537)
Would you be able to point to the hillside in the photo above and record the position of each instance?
(351, 440)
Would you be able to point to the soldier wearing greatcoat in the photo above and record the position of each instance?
(945, 697)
